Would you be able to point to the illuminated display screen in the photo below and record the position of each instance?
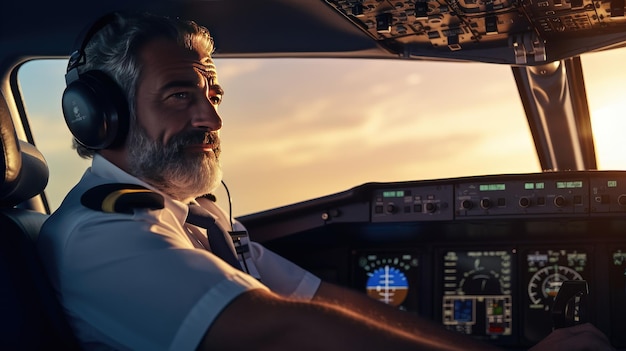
(478, 293)
(393, 193)
(537, 257)
(611, 184)
(492, 187)
(569, 185)
(389, 277)
(538, 185)
(544, 273)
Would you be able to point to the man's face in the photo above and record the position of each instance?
(175, 144)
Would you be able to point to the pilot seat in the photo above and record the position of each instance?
(31, 316)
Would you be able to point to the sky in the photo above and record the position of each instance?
(299, 129)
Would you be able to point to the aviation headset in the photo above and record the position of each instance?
(94, 106)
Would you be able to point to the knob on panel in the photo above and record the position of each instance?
(431, 207)
(466, 204)
(524, 202)
(485, 203)
(559, 201)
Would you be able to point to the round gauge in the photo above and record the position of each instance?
(480, 281)
(544, 285)
(388, 284)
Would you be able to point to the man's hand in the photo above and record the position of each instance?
(583, 337)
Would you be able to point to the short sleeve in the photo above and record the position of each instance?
(279, 274)
(283, 276)
(140, 285)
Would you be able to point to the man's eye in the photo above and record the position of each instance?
(216, 99)
(180, 95)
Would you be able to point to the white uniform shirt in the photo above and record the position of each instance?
(136, 281)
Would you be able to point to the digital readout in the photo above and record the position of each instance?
(569, 185)
(393, 193)
(538, 185)
(492, 187)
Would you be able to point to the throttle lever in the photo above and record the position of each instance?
(570, 305)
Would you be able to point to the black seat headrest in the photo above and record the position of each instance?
(23, 169)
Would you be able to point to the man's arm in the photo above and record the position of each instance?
(340, 319)
(261, 320)
(394, 318)
(581, 337)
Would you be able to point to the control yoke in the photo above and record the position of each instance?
(570, 305)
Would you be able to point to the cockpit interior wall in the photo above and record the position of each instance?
(496, 248)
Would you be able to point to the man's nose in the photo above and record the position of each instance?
(207, 116)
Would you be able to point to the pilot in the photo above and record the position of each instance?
(143, 259)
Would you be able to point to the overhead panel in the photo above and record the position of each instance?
(520, 32)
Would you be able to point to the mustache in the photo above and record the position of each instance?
(194, 137)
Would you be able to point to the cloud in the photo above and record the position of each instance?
(233, 68)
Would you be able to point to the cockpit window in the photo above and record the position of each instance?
(300, 129)
(41, 84)
(606, 90)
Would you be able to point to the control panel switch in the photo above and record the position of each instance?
(524, 202)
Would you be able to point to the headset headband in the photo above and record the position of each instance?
(77, 58)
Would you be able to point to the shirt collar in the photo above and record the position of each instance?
(102, 167)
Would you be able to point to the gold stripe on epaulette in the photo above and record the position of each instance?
(108, 204)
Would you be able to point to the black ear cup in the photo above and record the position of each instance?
(96, 110)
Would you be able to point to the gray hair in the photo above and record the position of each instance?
(115, 50)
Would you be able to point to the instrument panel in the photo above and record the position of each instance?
(501, 294)
(483, 256)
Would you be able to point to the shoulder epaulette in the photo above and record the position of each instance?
(209, 197)
(121, 198)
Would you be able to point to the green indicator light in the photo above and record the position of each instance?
(540, 185)
(569, 185)
(529, 185)
(492, 187)
(611, 184)
(393, 193)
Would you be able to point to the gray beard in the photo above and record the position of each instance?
(179, 174)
